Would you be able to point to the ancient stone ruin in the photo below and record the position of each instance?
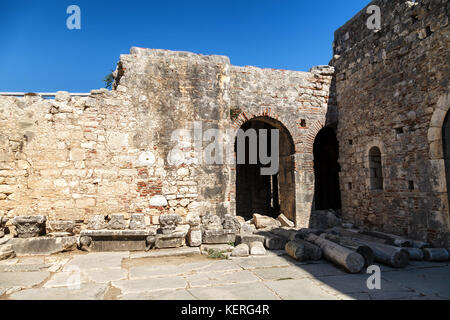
(363, 143)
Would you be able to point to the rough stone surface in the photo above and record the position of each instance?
(218, 236)
(117, 222)
(262, 222)
(241, 250)
(325, 219)
(175, 239)
(285, 222)
(137, 222)
(248, 239)
(3, 221)
(30, 226)
(273, 242)
(212, 222)
(66, 226)
(247, 228)
(43, 245)
(97, 222)
(231, 223)
(193, 220)
(194, 238)
(257, 249)
(117, 240)
(169, 222)
(6, 252)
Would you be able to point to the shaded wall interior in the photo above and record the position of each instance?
(327, 194)
(446, 145)
(264, 194)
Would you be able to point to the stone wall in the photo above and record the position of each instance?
(393, 93)
(113, 152)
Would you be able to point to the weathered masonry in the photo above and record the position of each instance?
(112, 151)
(392, 89)
(368, 135)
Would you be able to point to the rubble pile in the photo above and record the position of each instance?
(328, 238)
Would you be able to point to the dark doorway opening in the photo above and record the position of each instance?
(266, 194)
(446, 145)
(327, 194)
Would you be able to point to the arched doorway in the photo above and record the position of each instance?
(327, 194)
(266, 194)
(446, 145)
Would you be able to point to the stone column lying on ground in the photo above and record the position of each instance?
(355, 234)
(436, 254)
(363, 250)
(391, 239)
(304, 232)
(289, 234)
(272, 241)
(393, 256)
(346, 258)
(414, 253)
(302, 251)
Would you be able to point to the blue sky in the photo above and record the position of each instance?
(39, 54)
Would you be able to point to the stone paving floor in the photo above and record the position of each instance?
(153, 275)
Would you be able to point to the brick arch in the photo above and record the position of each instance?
(311, 136)
(243, 117)
(435, 130)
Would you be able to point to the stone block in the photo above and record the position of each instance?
(137, 221)
(262, 222)
(194, 238)
(117, 222)
(96, 222)
(257, 249)
(30, 226)
(66, 226)
(247, 238)
(212, 222)
(164, 241)
(169, 222)
(231, 223)
(193, 220)
(285, 222)
(241, 250)
(247, 228)
(43, 245)
(218, 236)
(158, 201)
(117, 240)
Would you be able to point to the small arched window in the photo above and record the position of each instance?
(375, 169)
